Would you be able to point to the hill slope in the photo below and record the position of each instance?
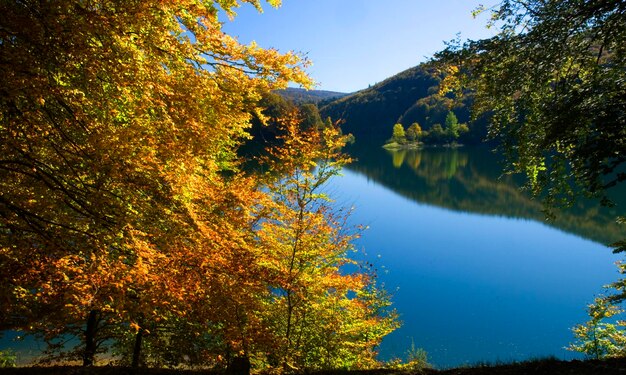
(301, 96)
(407, 97)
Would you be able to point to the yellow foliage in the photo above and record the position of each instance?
(120, 187)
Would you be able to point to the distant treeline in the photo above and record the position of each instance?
(411, 96)
(301, 96)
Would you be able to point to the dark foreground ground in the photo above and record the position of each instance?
(543, 367)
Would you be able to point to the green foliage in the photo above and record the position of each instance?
(598, 338)
(452, 125)
(603, 335)
(411, 96)
(553, 82)
(329, 123)
(275, 106)
(439, 134)
(416, 360)
(407, 97)
(266, 126)
(310, 116)
(8, 358)
(435, 135)
(555, 92)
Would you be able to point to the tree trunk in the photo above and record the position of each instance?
(137, 348)
(90, 338)
(239, 366)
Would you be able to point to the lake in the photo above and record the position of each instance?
(476, 273)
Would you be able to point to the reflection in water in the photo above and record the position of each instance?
(469, 180)
(398, 157)
(439, 165)
(415, 159)
(471, 281)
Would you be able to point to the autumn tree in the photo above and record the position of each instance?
(414, 132)
(118, 120)
(324, 317)
(124, 216)
(398, 134)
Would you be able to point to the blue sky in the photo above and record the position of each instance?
(356, 43)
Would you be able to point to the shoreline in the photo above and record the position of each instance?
(394, 146)
(549, 366)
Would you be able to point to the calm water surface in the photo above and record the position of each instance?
(475, 272)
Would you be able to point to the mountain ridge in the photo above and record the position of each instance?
(407, 97)
(303, 96)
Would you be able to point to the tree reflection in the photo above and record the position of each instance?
(470, 180)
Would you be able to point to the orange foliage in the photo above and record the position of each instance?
(120, 192)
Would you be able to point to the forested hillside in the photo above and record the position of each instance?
(408, 97)
(301, 96)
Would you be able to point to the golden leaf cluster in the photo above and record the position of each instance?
(123, 209)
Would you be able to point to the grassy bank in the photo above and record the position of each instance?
(540, 367)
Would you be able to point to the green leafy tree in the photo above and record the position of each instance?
(598, 338)
(553, 81)
(328, 122)
(416, 359)
(7, 358)
(435, 135)
(452, 125)
(310, 116)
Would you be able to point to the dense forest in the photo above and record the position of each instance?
(302, 96)
(412, 96)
